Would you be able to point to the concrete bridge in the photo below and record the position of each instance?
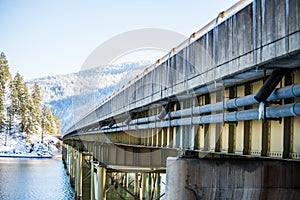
(219, 114)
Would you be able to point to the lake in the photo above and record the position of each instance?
(22, 178)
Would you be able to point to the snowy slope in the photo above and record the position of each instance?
(70, 96)
(14, 144)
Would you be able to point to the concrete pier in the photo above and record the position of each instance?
(232, 179)
(101, 179)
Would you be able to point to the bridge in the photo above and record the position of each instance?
(217, 117)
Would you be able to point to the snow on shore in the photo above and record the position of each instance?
(15, 145)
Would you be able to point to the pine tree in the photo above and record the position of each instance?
(45, 120)
(50, 123)
(21, 105)
(4, 70)
(25, 103)
(16, 96)
(4, 79)
(36, 108)
(55, 125)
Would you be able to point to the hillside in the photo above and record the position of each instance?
(70, 96)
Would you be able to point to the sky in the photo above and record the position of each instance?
(49, 37)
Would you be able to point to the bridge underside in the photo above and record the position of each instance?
(127, 158)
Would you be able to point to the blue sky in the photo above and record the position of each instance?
(42, 38)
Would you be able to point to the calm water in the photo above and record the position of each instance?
(33, 179)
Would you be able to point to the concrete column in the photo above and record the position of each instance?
(78, 177)
(136, 185)
(175, 137)
(192, 138)
(186, 136)
(125, 180)
(181, 138)
(92, 181)
(69, 156)
(231, 139)
(158, 185)
(266, 134)
(122, 175)
(72, 167)
(247, 124)
(149, 185)
(101, 177)
(143, 187)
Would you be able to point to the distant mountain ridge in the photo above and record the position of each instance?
(80, 92)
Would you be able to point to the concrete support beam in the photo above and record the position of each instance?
(218, 127)
(206, 127)
(247, 124)
(232, 138)
(287, 124)
(218, 135)
(232, 127)
(266, 126)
